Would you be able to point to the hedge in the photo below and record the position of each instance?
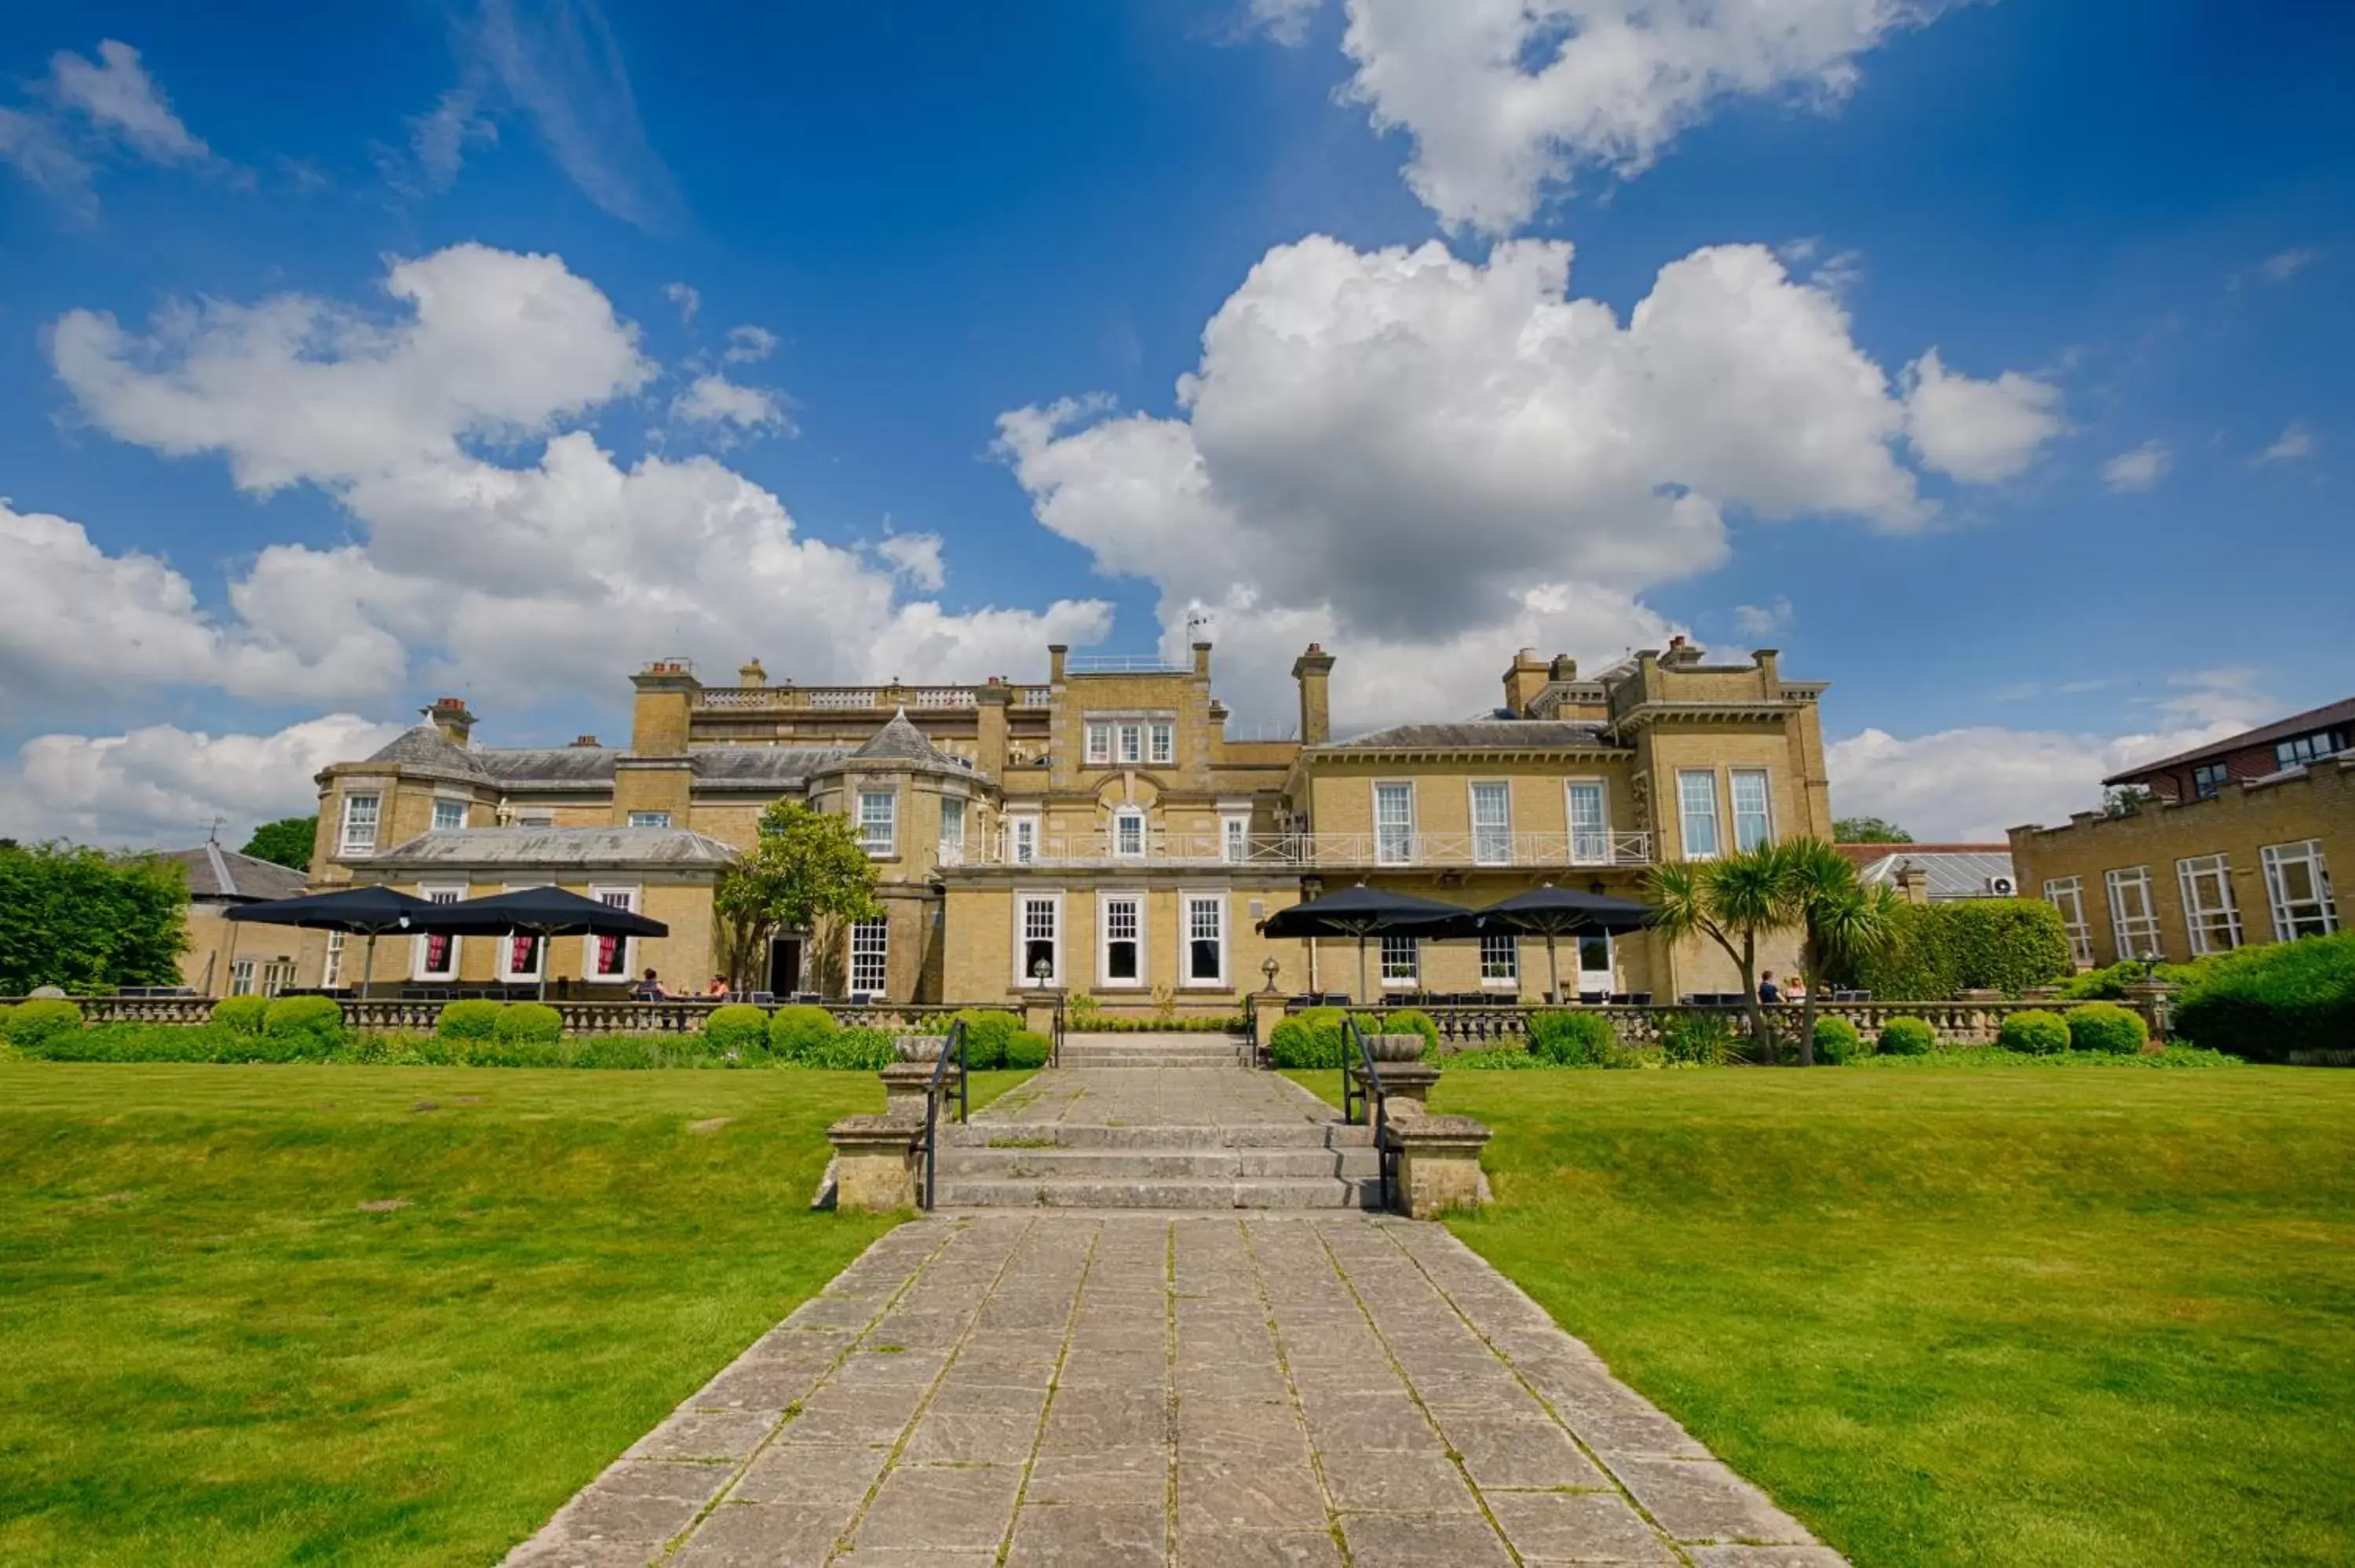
(861, 1050)
(2105, 1026)
(1838, 1043)
(739, 1028)
(2266, 1003)
(1028, 1049)
(241, 1014)
(795, 1032)
(1995, 944)
(1907, 1037)
(2034, 1032)
(1567, 1039)
(1308, 1038)
(532, 1022)
(33, 1024)
(478, 1017)
(987, 1032)
(298, 1018)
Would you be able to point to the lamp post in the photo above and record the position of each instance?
(1268, 968)
(1042, 972)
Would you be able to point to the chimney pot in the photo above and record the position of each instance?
(584, 740)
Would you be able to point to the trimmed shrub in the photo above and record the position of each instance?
(33, 1024)
(1997, 944)
(1702, 1039)
(1308, 1038)
(1405, 1021)
(1027, 1049)
(2034, 1032)
(987, 1033)
(477, 1019)
(851, 1050)
(295, 1022)
(1568, 1039)
(1496, 1059)
(2106, 1027)
(795, 1032)
(2264, 1003)
(1839, 1042)
(533, 1022)
(738, 1029)
(241, 1014)
(1907, 1037)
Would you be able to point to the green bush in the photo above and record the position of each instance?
(1839, 1042)
(1496, 1059)
(1308, 1038)
(241, 1014)
(2106, 1026)
(1572, 1039)
(795, 1032)
(2266, 1003)
(739, 1029)
(1907, 1037)
(33, 1024)
(533, 1022)
(853, 1049)
(987, 1033)
(297, 1022)
(2101, 985)
(2034, 1032)
(1702, 1039)
(1997, 944)
(475, 1020)
(1027, 1049)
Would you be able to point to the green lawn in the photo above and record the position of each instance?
(210, 1354)
(1966, 1317)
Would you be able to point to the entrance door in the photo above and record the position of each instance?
(1594, 972)
(785, 965)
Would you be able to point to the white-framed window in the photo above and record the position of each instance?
(1393, 825)
(1024, 832)
(2298, 885)
(2134, 920)
(870, 955)
(1099, 741)
(1595, 968)
(613, 959)
(331, 971)
(1402, 961)
(1132, 743)
(240, 978)
(1754, 821)
(952, 830)
(276, 976)
(2209, 913)
(436, 958)
(1039, 923)
(1206, 938)
(1234, 840)
(1696, 811)
(361, 815)
(1590, 826)
(879, 822)
(1500, 959)
(449, 815)
(649, 819)
(534, 819)
(1121, 960)
(1128, 834)
(2067, 894)
(1165, 741)
(1492, 823)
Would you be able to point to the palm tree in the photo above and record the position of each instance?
(1840, 920)
(1733, 902)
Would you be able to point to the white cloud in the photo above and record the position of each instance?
(1971, 784)
(748, 344)
(119, 97)
(73, 618)
(2138, 470)
(713, 399)
(1504, 98)
(161, 786)
(1285, 21)
(2288, 264)
(1762, 620)
(34, 147)
(917, 558)
(529, 575)
(439, 140)
(686, 297)
(1978, 431)
(2294, 442)
(1400, 448)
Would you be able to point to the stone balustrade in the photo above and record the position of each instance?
(388, 1014)
(1958, 1023)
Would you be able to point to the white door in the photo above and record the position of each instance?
(1594, 969)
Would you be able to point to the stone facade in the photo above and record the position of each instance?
(1101, 823)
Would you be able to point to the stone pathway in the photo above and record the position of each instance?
(1223, 1390)
(1148, 1096)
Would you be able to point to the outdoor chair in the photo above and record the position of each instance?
(1593, 998)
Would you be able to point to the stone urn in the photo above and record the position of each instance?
(1389, 1048)
(920, 1047)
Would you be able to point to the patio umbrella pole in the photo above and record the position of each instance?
(368, 967)
(1361, 970)
(1554, 973)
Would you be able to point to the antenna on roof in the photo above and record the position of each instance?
(219, 823)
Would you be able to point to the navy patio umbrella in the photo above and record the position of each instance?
(364, 911)
(542, 912)
(1361, 912)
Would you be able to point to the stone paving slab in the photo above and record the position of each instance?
(1223, 1390)
(1156, 1097)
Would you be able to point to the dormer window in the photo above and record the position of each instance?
(2301, 750)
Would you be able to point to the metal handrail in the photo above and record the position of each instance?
(952, 1049)
(1374, 1096)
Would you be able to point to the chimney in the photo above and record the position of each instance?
(1770, 670)
(1201, 660)
(1313, 671)
(450, 716)
(1912, 882)
(1523, 682)
(1055, 653)
(750, 674)
(1564, 669)
(584, 740)
(1680, 653)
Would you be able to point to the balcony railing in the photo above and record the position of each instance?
(1328, 852)
(835, 699)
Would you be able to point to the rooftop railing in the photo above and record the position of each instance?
(835, 699)
(1322, 851)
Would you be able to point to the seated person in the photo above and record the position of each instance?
(650, 989)
(718, 986)
(1768, 991)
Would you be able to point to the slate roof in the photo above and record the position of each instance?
(1949, 870)
(561, 766)
(591, 766)
(227, 877)
(901, 744)
(422, 749)
(1480, 735)
(752, 767)
(558, 848)
(2330, 715)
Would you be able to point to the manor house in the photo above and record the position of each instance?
(1097, 831)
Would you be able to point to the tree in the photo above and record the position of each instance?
(808, 871)
(88, 921)
(1733, 902)
(1840, 920)
(2127, 801)
(1869, 831)
(286, 841)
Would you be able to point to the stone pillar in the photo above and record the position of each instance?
(907, 1086)
(1439, 1164)
(1267, 1012)
(1406, 1087)
(990, 700)
(2156, 1002)
(1038, 1011)
(875, 1163)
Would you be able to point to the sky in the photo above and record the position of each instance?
(1986, 358)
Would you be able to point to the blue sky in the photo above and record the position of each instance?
(1980, 357)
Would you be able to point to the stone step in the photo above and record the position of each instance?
(1100, 1063)
(1073, 1193)
(1157, 1164)
(1083, 1135)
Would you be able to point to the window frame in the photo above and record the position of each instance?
(1189, 905)
(438, 893)
(1412, 979)
(1403, 788)
(2080, 931)
(1600, 832)
(1686, 816)
(638, 820)
(345, 842)
(509, 973)
(590, 974)
(1097, 736)
(2202, 922)
(950, 848)
(331, 966)
(2115, 882)
(1023, 902)
(1491, 845)
(2301, 750)
(241, 972)
(876, 954)
(1161, 742)
(1505, 975)
(1129, 736)
(1234, 838)
(1135, 899)
(1124, 820)
(2288, 927)
(1021, 838)
(449, 804)
(2208, 779)
(1764, 815)
(890, 822)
